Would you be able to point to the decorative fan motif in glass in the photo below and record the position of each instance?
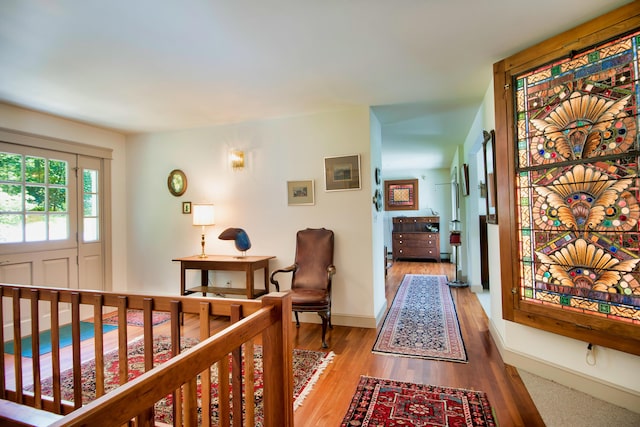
(577, 181)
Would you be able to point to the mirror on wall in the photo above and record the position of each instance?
(488, 148)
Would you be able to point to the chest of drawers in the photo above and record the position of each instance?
(416, 238)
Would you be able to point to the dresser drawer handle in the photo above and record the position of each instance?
(400, 242)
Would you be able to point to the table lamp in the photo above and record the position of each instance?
(203, 215)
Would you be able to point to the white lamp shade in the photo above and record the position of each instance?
(203, 214)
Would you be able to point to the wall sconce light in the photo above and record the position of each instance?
(236, 159)
(203, 215)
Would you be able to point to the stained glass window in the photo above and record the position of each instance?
(577, 181)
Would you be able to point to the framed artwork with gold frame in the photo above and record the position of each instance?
(177, 182)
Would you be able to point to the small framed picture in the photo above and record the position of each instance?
(342, 173)
(186, 207)
(300, 193)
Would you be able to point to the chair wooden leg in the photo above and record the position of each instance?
(325, 320)
(297, 320)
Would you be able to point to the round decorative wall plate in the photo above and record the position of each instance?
(177, 182)
(377, 200)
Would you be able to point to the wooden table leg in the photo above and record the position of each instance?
(266, 278)
(204, 280)
(249, 282)
(183, 271)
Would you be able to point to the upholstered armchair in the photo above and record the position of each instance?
(312, 273)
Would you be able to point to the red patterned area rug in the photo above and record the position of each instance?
(387, 403)
(422, 322)
(135, 318)
(307, 367)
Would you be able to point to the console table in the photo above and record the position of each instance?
(248, 264)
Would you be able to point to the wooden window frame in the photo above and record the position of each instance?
(588, 328)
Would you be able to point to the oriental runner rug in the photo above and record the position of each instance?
(135, 318)
(307, 367)
(422, 322)
(381, 402)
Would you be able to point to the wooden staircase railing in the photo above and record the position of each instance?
(269, 319)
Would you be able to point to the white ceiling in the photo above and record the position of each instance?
(149, 65)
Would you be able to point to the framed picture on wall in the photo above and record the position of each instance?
(401, 194)
(300, 193)
(465, 179)
(342, 173)
(177, 182)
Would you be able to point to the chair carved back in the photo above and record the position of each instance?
(314, 253)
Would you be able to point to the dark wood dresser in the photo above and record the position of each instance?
(416, 237)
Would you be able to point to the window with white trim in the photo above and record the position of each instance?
(34, 198)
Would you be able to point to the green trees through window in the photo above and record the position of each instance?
(34, 198)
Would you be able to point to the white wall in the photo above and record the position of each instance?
(254, 199)
(378, 248)
(473, 203)
(614, 377)
(23, 120)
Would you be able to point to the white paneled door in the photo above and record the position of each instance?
(50, 221)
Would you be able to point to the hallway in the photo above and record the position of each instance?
(328, 401)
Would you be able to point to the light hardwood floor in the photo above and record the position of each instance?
(328, 402)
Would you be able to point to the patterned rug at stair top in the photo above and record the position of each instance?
(382, 402)
(135, 318)
(307, 367)
(422, 322)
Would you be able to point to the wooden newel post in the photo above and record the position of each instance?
(278, 363)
